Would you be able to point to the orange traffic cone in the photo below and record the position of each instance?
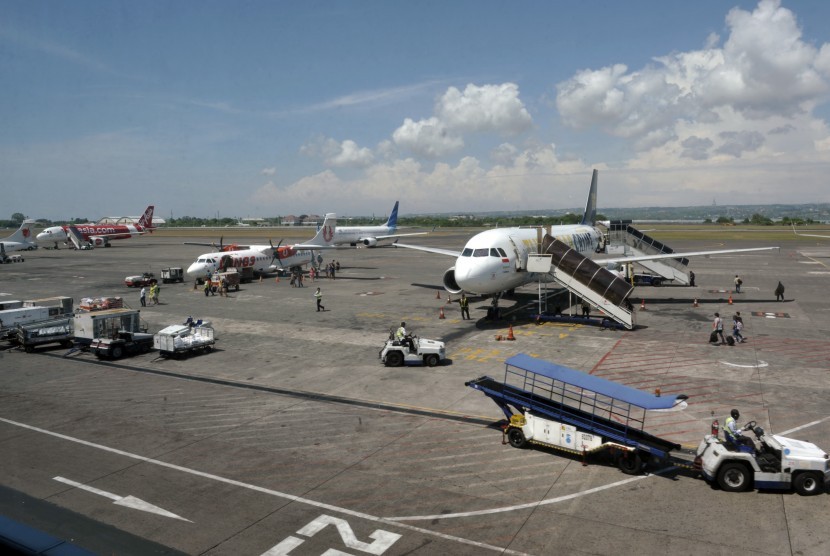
(510, 335)
(695, 303)
(642, 304)
(441, 313)
(730, 299)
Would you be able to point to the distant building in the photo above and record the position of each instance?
(302, 220)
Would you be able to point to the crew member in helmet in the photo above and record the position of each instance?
(732, 431)
(403, 337)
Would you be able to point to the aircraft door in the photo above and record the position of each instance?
(520, 251)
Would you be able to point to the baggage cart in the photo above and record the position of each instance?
(182, 340)
(55, 331)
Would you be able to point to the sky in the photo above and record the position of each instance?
(250, 109)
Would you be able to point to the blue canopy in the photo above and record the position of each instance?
(593, 383)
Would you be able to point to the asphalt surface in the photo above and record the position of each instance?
(292, 438)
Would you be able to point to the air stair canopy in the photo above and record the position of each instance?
(601, 287)
(637, 243)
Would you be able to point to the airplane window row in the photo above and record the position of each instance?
(493, 252)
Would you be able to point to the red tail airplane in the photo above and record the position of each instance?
(98, 235)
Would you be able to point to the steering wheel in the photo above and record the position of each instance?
(750, 426)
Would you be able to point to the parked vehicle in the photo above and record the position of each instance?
(140, 280)
(183, 340)
(54, 331)
(172, 274)
(124, 343)
(412, 350)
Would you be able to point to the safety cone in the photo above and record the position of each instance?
(642, 304)
(695, 303)
(730, 299)
(510, 335)
(441, 314)
(437, 295)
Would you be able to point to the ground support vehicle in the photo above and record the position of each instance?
(183, 340)
(645, 279)
(124, 343)
(10, 318)
(106, 324)
(578, 413)
(172, 274)
(774, 462)
(8, 259)
(413, 350)
(53, 331)
(140, 280)
(232, 278)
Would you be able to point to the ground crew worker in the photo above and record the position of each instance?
(464, 303)
(732, 431)
(318, 295)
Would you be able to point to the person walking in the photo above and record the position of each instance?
(779, 292)
(207, 288)
(738, 283)
(692, 278)
(586, 309)
(143, 296)
(737, 328)
(318, 295)
(154, 293)
(464, 303)
(717, 325)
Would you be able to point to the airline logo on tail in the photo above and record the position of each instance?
(146, 220)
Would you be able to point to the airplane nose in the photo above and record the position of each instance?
(195, 268)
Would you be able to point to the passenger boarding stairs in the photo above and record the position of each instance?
(635, 243)
(599, 286)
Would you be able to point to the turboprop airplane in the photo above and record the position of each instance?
(97, 235)
(368, 236)
(265, 258)
(20, 240)
(495, 261)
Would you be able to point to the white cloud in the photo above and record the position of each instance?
(345, 154)
(495, 108)
(430, 138)
(268, 171)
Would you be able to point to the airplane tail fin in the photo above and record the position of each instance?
(23, 233)
(393, 218)
(590, 214)
(146, 220)
(325, 235)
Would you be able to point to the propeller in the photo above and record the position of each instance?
(275, 252)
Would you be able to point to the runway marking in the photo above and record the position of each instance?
(758, 366)
(264, 490)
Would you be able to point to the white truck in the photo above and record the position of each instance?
(182, 340)
(775, 462)
(412, 350)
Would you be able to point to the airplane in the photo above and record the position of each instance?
(494, 261)
(97, 235)
(20, 240)
(808, 235)
(368, 236)
(265, 258)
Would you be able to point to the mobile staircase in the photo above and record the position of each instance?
(569, 410)
(636, 243)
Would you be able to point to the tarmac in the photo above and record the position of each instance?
(292, 438)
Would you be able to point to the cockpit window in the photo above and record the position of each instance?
(494, 252)
(481, 252)
(200, 261)
(467, 252)
(502, 253)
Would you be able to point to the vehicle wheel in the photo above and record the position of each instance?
(208, 348)
(517, 438)
(29, 349)
(808, 484)
(67, 344)
(630, 463)
(394, 359)
(117, 352)
(145, 348)
(656, 283)
(733, 477)
(431, 360)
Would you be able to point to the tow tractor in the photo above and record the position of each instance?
(581, 414)
(774, 462)
(412, 350)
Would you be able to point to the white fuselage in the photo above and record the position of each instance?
(356, 235)
(495, 261)
(98, 234)
(257, 257)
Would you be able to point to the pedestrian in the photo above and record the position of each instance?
(692, 278)
(779, 292)
(311, 274)
(717, 325)
(207, 288)
(737, 327)
(225, 287)
(337, 266)
(300, 280)
(738, 283)
(586, 309)
(143, 296)
(332, 267)
(154, 293)
(318, 295)
(464, 303)
(221, 286)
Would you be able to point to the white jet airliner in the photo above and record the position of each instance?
(265, 258)
(495, 261)
(368, 236)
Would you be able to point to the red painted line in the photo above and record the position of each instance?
(603, 357)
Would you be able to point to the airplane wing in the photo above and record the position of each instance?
(437, 250)
(612, 260)
(401, 235)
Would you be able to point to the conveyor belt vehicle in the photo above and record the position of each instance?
(569, 410)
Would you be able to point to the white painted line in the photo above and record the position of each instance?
(782, 433)
(760, 364)
(126, 501)
(263, 490)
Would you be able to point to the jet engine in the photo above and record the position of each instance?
(370, 242)
(449, 281)
(99, 241)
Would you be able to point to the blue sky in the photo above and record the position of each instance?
(251, 109)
